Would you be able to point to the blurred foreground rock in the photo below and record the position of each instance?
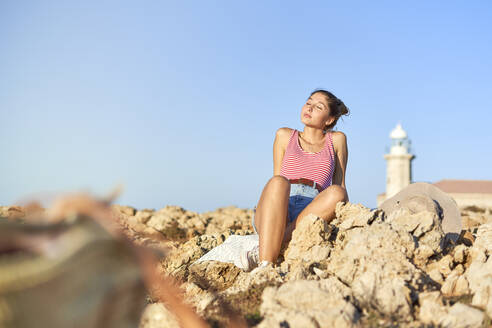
(67, 274)
(72, 266)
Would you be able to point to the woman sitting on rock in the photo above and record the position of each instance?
(308, 177)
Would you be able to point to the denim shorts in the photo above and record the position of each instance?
(300, 197)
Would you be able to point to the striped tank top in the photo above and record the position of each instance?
(318, 167)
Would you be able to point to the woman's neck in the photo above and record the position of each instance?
(312, 135)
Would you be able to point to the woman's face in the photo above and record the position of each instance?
(315, 112)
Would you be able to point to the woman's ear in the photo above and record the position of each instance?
(330, 120)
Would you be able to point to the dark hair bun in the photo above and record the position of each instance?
(342, 109)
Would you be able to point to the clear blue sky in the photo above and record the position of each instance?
(179, 101)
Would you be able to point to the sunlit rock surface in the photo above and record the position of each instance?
(362, 269)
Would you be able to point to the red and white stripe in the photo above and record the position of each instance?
(318, 167)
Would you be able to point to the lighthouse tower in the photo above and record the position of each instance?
(398, 167)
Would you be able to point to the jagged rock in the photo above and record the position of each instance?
(320, 273)
(229, 217)
(434, 312)
(431, 307)
(476, 254)
(174, 222)
(180, 259)
(429, 232)
(367, 258)
(200, 298)
(445, 266)
(143, 216)
(448, 288)
(462, 286)
(267, 275)
(459, 269)
(296, 270)
(350, 215)
(309, 240)
(415, 223)
(245, 295)
(466, 238)
(424, 226)
(479, 272)
(422, 255)
(301, 303)
(459, 254)
(156, 315)
(472, 219)
(435, 275)
(126, 210)
(479, 277)
(213, 275)
(462, 316)
(484, 238)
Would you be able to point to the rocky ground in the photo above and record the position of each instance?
(363, 269)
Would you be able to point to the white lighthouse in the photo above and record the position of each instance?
(398, 164)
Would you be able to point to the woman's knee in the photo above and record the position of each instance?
(279, 181)
(337, 193)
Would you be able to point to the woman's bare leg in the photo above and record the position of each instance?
(271, 216)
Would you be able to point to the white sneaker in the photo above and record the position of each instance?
(261, 266)
(250, 259)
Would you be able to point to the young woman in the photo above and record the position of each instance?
(308, 177)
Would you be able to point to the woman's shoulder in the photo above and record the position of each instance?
(339, 135)
(284, 133)
(339, 139)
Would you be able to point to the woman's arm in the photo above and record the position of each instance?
(279, 146)
(341, 156)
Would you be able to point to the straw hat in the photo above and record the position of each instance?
(421, 196)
